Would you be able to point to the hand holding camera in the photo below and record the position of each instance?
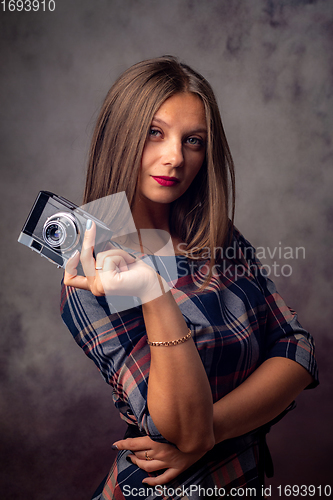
(97, 255)
(113, 272)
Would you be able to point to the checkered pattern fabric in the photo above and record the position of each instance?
(237, 322)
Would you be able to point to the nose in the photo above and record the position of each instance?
(173, 153)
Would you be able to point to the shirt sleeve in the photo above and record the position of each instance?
(285, 337)
(117, 344)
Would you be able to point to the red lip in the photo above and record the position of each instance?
(166, 181)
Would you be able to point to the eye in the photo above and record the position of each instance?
(195, 141)
(153, 132)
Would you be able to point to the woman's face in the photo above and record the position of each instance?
(175, 149)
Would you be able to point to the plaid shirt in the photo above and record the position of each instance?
(237, 322)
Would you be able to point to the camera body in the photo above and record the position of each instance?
(55, 229)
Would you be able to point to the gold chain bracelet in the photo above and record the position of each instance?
(171, 342)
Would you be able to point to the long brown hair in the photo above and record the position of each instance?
(200, 217)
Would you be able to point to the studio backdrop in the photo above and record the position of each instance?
(270, 65)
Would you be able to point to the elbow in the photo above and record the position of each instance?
(198, 438)
(197, 444)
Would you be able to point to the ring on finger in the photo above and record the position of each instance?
(147, 456)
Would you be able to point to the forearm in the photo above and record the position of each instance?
(265, 394)
(260, 398)
(179, 394)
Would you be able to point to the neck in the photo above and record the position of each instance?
(149, 215)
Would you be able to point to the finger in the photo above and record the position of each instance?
(70, 276)
(163, 478)
(128, 258)
(147, 465)
(142, 455)
(72, 263)
(134, 444)
(111, 263)
(87, 256)
(112, 273)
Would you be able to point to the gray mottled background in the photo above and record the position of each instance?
(270, 63)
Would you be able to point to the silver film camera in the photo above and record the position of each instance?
(55, 228)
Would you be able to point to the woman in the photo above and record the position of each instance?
(199, 369)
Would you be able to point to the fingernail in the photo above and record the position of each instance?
(114, 447)
(74, 253)
(88, 225)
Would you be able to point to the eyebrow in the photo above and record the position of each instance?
(194, 131)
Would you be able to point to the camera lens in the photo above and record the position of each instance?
(55, 234)
(61, 232)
